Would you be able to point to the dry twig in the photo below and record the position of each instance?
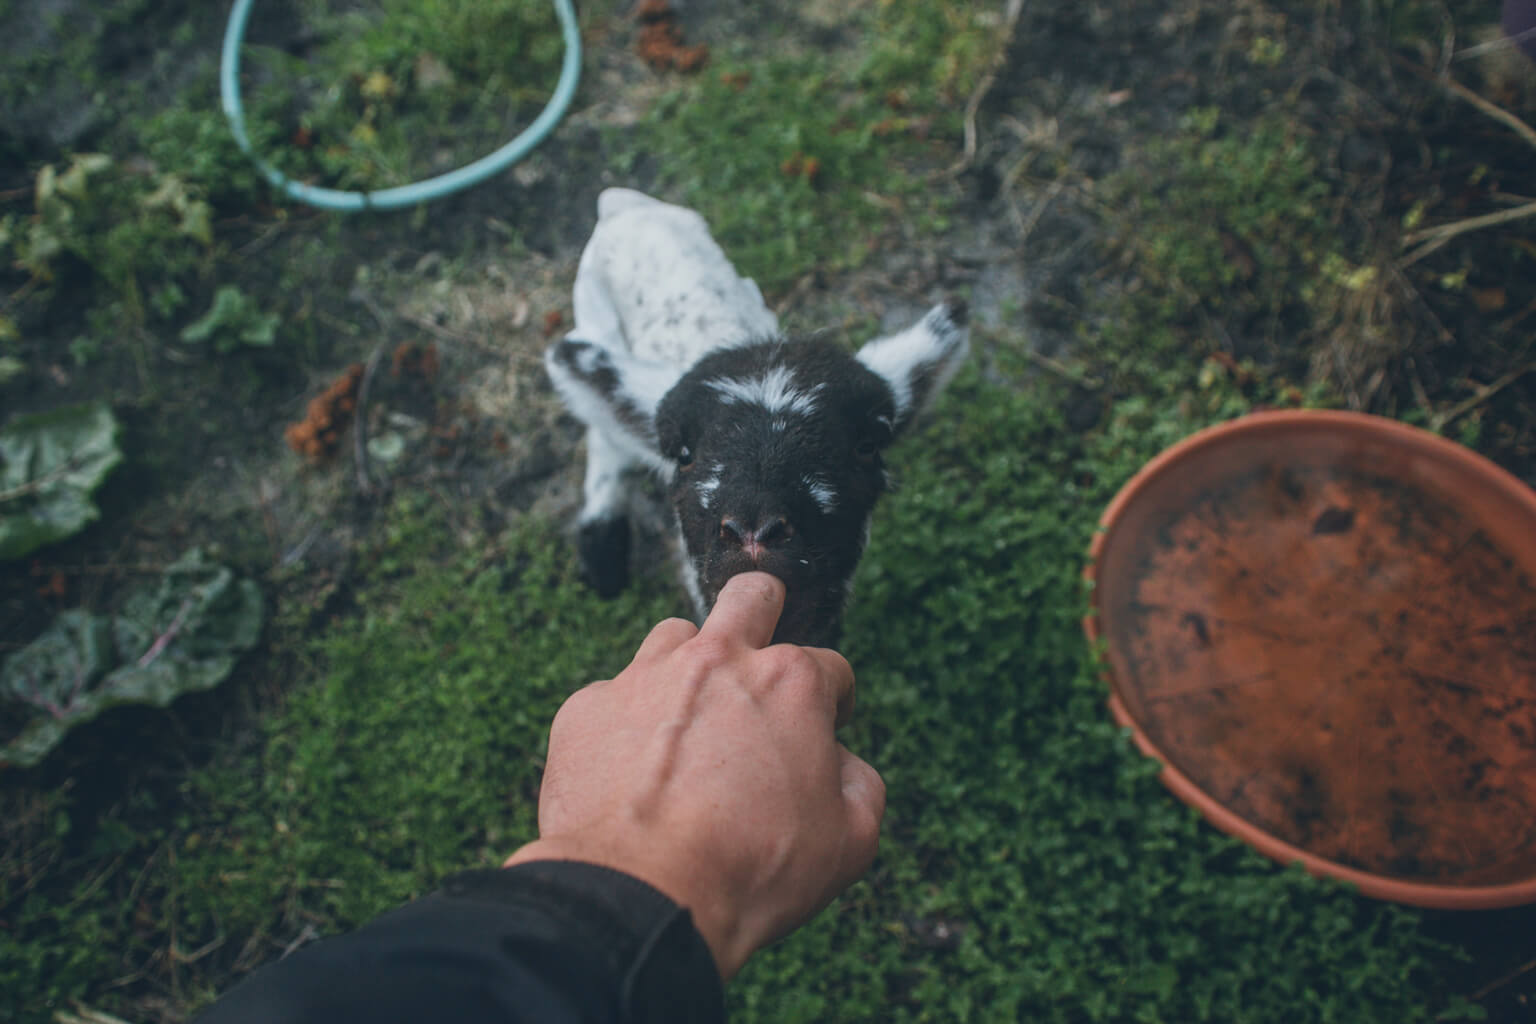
(1487, 106)
(1500, 982)
(1430, 239)
(360, 423)
(1433, 238)
(1011, 16)
(1439, 420)
(85, 1015)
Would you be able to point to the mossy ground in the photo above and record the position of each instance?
(1166, 219)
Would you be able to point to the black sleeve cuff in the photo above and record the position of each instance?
(539, 943)
(648, 943)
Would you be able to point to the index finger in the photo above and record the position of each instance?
(748, 608)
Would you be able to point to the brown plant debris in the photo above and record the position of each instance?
(414, 360)
(661, 40)
(801, 166)
(318, 435)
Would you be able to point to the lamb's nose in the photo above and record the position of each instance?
(753, 539)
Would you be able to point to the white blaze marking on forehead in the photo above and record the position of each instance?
(707, 487)
(775, 391)
(822, 492)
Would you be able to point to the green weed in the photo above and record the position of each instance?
(807, 160)
(234, 320)
(1234, 215)
(134, 233)
(403, 91)
(414, 752)
(1031, 868)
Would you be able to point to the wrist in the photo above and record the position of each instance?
(713, 913)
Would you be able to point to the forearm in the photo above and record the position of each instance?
(545, 941)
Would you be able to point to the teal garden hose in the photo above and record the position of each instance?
(416, 192)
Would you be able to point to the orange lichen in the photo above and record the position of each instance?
(801, 166)
(318, 434)
(54, 584)
(661, 40)
(414, 360)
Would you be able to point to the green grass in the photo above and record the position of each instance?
(1031, 867)
(403, 90)
(738, 143)
(1074, 886)
(1020, 817)
(413, 751)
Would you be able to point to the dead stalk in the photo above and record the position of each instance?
(1433, 238)
(360, 423)
(1438, 421)
(1498, 983)
(1487, 106)
(1011, 15)
(1430, 239)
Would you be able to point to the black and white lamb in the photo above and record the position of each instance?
(771, 445)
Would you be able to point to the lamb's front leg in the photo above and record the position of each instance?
(602, 537)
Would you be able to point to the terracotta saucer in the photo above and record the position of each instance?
(1324, 625)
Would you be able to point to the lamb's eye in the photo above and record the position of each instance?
(866, 450)
(684, 457)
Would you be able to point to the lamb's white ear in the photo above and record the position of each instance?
(919, 361)
(613, 391)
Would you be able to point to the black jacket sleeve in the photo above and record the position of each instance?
(548, 942)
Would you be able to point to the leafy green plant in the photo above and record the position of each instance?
(931, 54)
(800, 161)
(193, 143)
(234, 320)
(181, 634)
(50, 462)
(405, 90)
(129, 232)
(1228, 215)
(1032, 867)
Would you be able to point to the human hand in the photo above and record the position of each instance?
(708, 768)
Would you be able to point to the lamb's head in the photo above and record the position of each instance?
(773, 452)
(776, 454)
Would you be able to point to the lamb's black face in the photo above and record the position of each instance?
(777, 450)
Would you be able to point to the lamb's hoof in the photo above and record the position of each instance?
(604, 548)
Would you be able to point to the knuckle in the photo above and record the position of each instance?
(710, 651)
(795, 672)
(574, 708)
(565, 715)
(673, 630)
(788, 661)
